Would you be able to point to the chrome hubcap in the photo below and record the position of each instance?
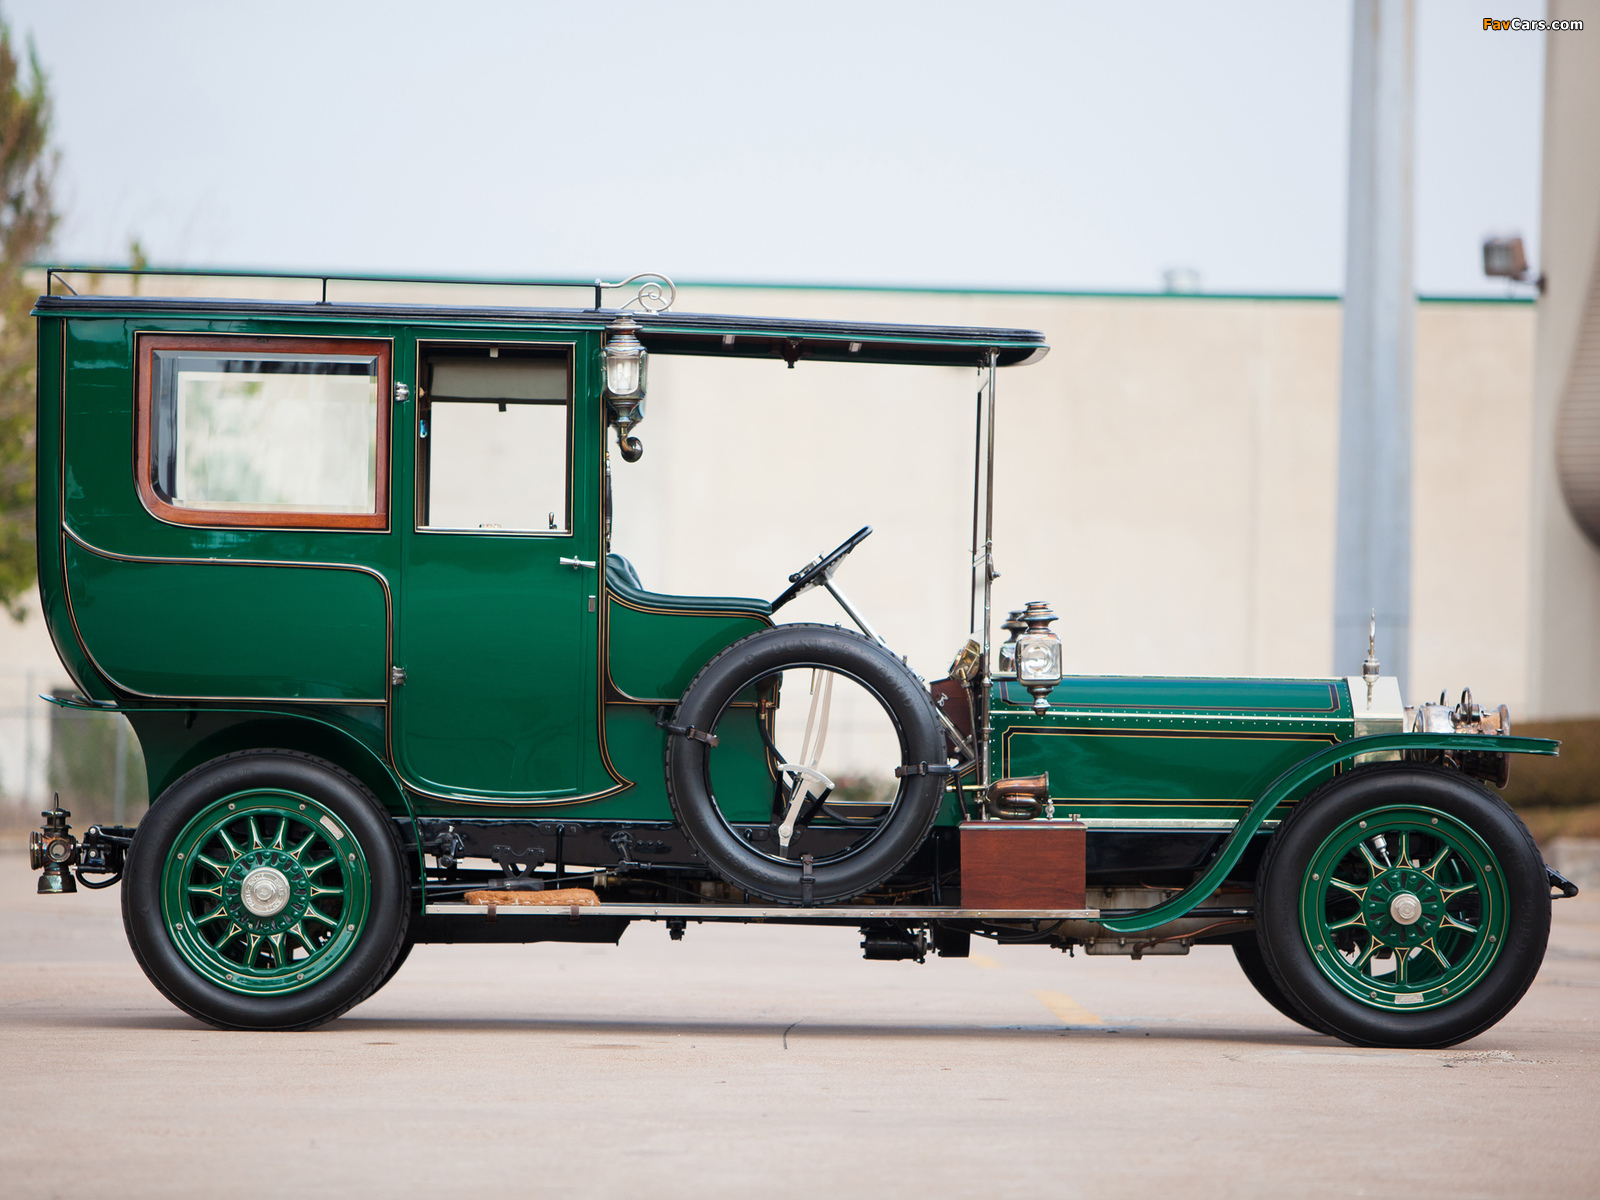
(1405, 909)
(265, 891)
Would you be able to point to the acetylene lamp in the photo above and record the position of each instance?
(1038, 655)
(54, 850)
(625, 365)
(1014, 626)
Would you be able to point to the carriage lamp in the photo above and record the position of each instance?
(625, 364)
(1014, 625)
(54, 850)
(1038, 655)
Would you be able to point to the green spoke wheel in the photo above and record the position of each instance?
(1403, 905)
(1404, 908)
(266, 890)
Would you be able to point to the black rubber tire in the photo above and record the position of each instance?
(394, 967)
(408, 855)
(1345, 798)
(1247, 951)
(756, 657)
(368, 964)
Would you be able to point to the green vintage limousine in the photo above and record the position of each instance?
(346, 569)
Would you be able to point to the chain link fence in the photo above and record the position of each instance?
(91, 759)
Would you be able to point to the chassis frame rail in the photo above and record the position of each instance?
(835, 914)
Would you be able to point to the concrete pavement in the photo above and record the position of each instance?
(762, 1062)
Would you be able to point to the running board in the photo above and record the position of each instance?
(842, 914)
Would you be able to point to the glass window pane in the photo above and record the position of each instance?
(494, 437)
(497, 466)
(499, 379)
(268, 433)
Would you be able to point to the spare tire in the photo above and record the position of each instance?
(847, 856)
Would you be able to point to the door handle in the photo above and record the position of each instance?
(575, 563)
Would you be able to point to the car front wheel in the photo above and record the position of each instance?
(1403, 906)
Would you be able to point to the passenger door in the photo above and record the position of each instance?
(497, 635)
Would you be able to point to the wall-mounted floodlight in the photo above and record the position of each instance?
(1505, 258)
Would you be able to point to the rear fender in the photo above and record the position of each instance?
(268, 729)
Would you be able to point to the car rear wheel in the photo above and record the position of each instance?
(265, 890)
(1403, 906)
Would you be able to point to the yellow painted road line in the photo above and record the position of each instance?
(981, 960)
(1067, 1010)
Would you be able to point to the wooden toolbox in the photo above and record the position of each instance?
(1022, 864)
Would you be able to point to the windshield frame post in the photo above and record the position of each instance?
(989, 576)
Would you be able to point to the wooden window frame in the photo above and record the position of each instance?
(232, 346)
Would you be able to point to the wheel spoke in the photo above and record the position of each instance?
(1437, 862)
(212, 863)
(1376, 867)
(1359, 919)
(283, 832)
(214, 914)
(321, 864)
(250, 950)
(301, 847)
(1360, 893)
(194, 889)
(314, 911)
(1450, 894)
(233, 932)
(255, 833)
(1450, 922)
(1403, 850)
(1432, 945)
(275, 948)
(299, 931)
(1401, 957)
(233, 848)
(1366, 955)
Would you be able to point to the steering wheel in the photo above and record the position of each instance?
(820, 569)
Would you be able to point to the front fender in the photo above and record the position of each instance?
(1292, 781)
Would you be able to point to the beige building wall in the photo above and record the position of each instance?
(1166, 480)
(1564, 630)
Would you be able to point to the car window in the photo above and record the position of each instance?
(274, 432)
(493, 431)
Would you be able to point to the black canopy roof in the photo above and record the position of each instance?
(662, 333)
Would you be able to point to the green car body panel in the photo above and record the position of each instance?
(1166, 748)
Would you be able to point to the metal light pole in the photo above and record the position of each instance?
(1372, 566)
(119, 783)
(27, 741)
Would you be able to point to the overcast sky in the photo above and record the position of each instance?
(1051, 145)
